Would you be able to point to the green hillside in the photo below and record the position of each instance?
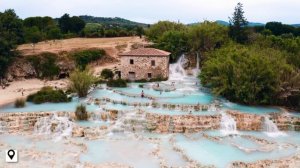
(106, 21)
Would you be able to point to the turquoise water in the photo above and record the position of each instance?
(130, 152)
(122, 149)
(48, 107)
(117, 97)
(177, 112)
(191, 99)
(184, 95)
(173, 159)
(222, 154)
(111, 106)
(149, 92)
(250, 109)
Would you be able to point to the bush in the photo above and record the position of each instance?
(19, 103)
(107, 74)
(81, 81)
(84, 57)
(44, 65)
(247, 75)
(47, 94)
(81, 113)
(117, 83)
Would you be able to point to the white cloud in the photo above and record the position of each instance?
(151, 11)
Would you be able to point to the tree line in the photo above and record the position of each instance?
(249, 65)
(15, 31)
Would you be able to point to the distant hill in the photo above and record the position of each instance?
(250, 24)
(224, 23)
(296, 25)
(107, 21)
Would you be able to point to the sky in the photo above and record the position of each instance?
(151, 11)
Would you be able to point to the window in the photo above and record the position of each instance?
(149, 75)
(131, 61)
(152, 63)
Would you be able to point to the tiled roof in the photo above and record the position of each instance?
(146, 52)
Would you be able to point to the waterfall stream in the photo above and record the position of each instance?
(271, 128)
(55, 126)
(228, 124)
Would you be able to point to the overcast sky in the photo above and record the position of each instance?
(151, 11)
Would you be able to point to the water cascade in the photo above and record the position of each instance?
(176, 70)
(197, 69)
(228, 124)
(134, 121)
(56, 126)
(271, 128)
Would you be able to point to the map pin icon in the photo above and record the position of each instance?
(11, 154)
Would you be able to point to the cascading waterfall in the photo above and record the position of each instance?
(176, 70)
(197, 69)
(55, 126)
(228, 124)
(271, 128)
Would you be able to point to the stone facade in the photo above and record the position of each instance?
(144, 65)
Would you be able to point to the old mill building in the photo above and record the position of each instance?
(144, 63)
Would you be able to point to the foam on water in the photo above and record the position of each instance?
(228, 124)
(271, 129)
(57, 127)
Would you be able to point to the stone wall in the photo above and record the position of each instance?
(182, 123)
(13, 122)
(142, 66)
(246, 121)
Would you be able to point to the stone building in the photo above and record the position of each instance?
(144, 63)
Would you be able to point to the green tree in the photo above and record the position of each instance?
(93, 30)
(277, 28)
(174, 42)
(206, 36)
(70, 24)
(140, 31)
(77, 24)
(158, 29)
(238, 24)
(33, 35)
(54, 33)
(247, 75)
(64, 23)
(81, 81)
(11, 34)
(42, 23)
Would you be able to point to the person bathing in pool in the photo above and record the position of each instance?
(142, 94)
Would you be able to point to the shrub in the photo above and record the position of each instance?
(81, 81)
(81, 113)
(47, 94)
(107, 74)
(84, 57)
(44, 65)
(117, 83)
(19, 103)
